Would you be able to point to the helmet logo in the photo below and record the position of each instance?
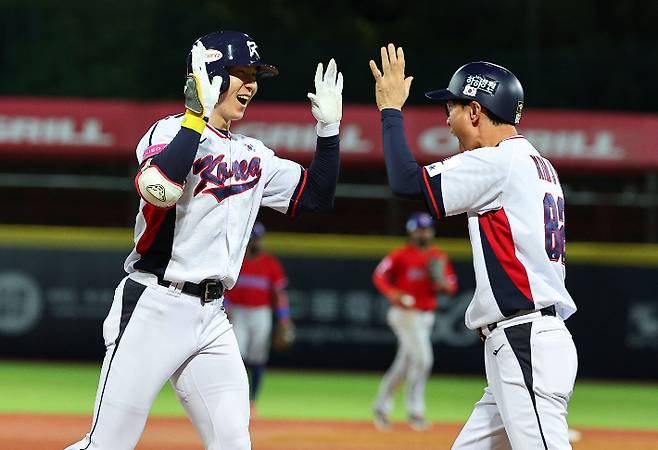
(475, 83)
(251, 45)
(213, 55)
(519, 110)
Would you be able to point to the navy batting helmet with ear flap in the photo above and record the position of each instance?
(491, 85)
(230, 48)
(419, 220)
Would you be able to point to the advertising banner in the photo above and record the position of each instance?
(53, 303)
(102, 129)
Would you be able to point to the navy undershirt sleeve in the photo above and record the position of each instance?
(176, 159)
(322, 176)
(404, 174)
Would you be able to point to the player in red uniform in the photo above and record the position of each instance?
(410, 278)
(259, 291)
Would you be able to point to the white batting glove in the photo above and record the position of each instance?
(327, 102)
(201, 95)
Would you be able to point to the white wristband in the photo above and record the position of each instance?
(327, 129)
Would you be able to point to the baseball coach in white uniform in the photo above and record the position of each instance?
(516, 221)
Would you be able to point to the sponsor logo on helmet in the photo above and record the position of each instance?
(251, 45)
(213, 55)
(519, 111)
(475, 83)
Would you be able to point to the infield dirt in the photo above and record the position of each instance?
(49, 432)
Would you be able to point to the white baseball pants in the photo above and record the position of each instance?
(413, 360)
(531, 369)
(154, 334)
(253, 330)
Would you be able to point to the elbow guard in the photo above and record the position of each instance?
(155, 188)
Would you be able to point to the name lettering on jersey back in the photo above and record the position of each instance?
(215, 172)
(545, 170)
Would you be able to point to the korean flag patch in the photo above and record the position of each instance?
(470, 90)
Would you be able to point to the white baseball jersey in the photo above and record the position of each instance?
(205, 235)
(515, 207)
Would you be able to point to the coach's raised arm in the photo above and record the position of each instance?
(391, 92)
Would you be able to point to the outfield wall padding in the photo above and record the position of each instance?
(53, 301)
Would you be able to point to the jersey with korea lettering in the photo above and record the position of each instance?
(515, 208)
(205, 235)
(259, 278)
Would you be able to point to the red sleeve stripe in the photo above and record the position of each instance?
(299, 195)
(431, 194)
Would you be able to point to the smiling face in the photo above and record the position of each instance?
(474, 127)
(462, 120)
(233, 103)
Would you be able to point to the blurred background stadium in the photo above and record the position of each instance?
(80, 83)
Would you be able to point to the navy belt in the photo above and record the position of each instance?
(207, 290)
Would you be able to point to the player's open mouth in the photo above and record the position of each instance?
(243, 99)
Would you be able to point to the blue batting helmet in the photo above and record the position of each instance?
(258, 230)
(491, 85)
(419, 220)
(230, 48)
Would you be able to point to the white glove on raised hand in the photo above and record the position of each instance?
(201, 95)
(327, 102)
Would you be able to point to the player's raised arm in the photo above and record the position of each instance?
(327, 102)
(391, 92)
(317, 188)
(161, 178)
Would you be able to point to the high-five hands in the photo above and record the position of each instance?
(327, 102)
(391, 87)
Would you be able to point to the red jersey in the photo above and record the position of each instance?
(258, 279)
(406, 269)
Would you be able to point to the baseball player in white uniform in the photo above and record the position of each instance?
(201, 188)
(515, 208)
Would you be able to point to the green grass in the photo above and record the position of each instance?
(70, 388)
(615, 405)
(340, 395)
